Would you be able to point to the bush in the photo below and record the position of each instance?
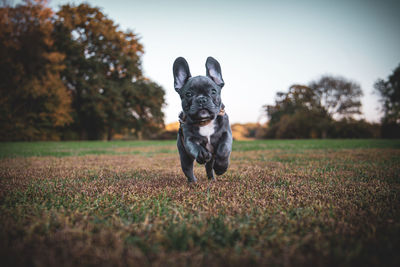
(390, 130)
(301, 124)
(351, 128)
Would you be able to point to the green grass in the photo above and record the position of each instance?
(303, 144)
(80, 148)
(281, 203)
(74, 148)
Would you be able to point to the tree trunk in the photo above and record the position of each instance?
(109, 133)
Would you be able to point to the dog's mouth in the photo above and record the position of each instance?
(203, 115)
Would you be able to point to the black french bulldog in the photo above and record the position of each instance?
(204, 133)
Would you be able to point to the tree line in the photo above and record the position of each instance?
(72, 75)
(327, 108)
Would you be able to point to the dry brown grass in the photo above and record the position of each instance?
(273, 207)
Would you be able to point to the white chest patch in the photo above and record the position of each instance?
(207, 131)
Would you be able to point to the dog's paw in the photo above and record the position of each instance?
(192, 181)
(203, 156)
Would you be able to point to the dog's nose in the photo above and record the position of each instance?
(202, 100)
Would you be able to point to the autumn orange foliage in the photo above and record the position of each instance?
(34, 100)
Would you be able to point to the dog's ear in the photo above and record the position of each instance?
(213, 70)
(181, 73)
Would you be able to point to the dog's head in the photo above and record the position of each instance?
(200, 95)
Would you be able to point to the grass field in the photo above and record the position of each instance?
(281, 203)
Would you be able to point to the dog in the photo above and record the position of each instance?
(204, 134)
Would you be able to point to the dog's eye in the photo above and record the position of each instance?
(188, 94)
(213, 91)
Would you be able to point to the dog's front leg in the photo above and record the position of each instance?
(186, 160)
(222, 153)
(198, 152)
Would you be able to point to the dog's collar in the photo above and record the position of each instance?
(182, 118)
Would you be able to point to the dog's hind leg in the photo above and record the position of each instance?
(187, 168)
(209, 169)
(186, 162)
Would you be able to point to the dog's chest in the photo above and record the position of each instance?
(207, 131)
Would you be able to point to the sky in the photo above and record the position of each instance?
(263, 46)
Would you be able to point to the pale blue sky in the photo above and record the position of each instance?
(263, 46)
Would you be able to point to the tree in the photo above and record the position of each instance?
(309, 111)
(339, 96)
(34, 102)
(103, 64)
(144, 104)
(299, 97)
(389, 92)
(297, 114)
